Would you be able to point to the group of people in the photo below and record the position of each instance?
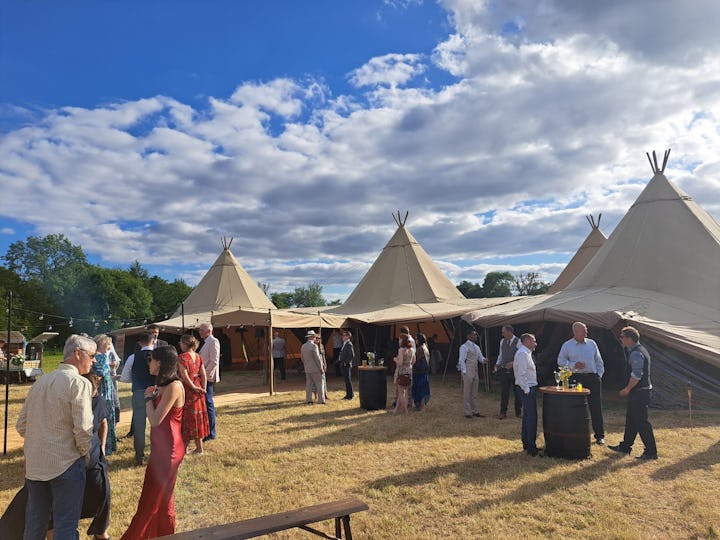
(68, 421)
(312, 354)
(581, 355)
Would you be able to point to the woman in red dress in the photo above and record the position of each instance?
(195, 425)
(164, 403)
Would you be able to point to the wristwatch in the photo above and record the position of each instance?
(148, 399)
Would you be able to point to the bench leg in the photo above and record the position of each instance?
(338, 532)
(346, 526)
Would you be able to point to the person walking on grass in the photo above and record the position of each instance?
(639, 392)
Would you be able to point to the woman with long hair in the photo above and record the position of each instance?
(106, 390)
(164, 404)
(420, 379)
(195, 424)
(404, 361)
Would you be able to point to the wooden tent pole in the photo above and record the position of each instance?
(271, 360)
(452, 341)
(7, 369)
(486, 364)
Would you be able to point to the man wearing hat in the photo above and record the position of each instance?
(313, 364)
(469, 365)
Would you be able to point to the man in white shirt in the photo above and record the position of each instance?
(210, 354)
(469, 365)
(582, 356)
(56, 422)
(526, 381)
(278, 352)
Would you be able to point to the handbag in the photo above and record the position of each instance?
(404, 379)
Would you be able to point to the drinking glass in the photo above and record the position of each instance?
(557, 378)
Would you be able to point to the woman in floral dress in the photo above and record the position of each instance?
(106, 389)
(195, 425)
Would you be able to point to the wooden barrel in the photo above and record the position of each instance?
(566, 423)
(373, 387)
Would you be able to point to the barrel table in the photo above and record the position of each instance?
(566, 422)
(373, 387)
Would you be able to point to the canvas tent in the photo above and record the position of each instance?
(405, 285)
(594, 241)
(658, 271)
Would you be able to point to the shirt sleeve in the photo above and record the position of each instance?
(462, 358)
(81, 403)
(599, 364)
(637, 364)
(126, 375)
(563, 356)
(520, 370)
(21, 423)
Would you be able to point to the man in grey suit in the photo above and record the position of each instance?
(347, 356)
(313, 364)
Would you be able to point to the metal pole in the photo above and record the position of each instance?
(271, 360)
(7, 371)
(182, 314)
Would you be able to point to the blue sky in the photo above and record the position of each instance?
(147, 130)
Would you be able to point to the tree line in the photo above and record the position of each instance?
(55, 288)
(500, 284)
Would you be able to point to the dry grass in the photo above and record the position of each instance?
(428, 475)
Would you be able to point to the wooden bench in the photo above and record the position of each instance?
(250, 528)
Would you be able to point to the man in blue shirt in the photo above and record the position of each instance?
(582, 356)
(638, 391)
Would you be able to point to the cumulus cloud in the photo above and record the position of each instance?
(548, 120)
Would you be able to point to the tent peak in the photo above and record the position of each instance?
(591, 220)
(399, 220)
(226, 242)
(654, 162)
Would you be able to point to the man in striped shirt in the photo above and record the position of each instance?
(56, 422)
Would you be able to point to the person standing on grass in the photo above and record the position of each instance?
(56, 422)
(106, 389)
(504, 367)
(638, 391)
(404, 361)
(469, 361)
(582, 356)
(526, 381)
(321, 350)
(210, 354)
(420, 371)
(278, 352)
(347, 358)
(195, 425)
(164, 403)
(313, 366)
(141, 378)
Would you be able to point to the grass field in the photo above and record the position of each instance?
(427, 475)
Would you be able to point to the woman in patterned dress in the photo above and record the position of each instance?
(195, 424)
(106, 390)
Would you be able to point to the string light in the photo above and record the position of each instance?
(41, 317)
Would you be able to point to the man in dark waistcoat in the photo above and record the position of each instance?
(504, 367)
(638, 391)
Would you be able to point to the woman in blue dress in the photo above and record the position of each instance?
(106, 389)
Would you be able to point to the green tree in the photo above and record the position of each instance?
(310, 296)
(529, 284)
(166, 296)
(497, 284)
(282, 300)
(470, 290)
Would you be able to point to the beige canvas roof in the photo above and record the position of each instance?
(225, 287)
(594, 241)
(658, 270)
(404, 284)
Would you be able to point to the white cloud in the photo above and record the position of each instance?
(545, 124)
(390, 69)
(7, 230)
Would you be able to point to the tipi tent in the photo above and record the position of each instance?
(404, 285)
(225, 287)
(658, 271)
(594, 241)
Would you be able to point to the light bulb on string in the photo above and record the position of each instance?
(41, 317)
(49, 326)
(70, 323)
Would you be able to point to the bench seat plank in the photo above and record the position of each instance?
(259, 526)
